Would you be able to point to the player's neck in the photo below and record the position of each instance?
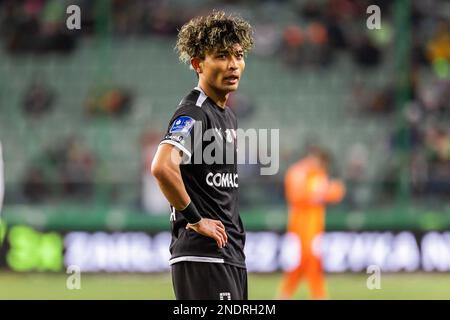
(218, 97)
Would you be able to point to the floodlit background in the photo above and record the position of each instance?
(82, 112)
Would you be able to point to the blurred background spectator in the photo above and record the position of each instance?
(35, 186)
(38, 99)
(108, 101)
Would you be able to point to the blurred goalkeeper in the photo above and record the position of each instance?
(308, 189)
(208, 237)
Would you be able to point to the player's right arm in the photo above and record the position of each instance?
(166, 169)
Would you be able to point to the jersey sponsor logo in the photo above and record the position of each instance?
(182, 124)
(222, 180)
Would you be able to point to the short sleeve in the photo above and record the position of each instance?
(185, 130)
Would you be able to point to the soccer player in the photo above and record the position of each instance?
(207, 247)
(308, 189)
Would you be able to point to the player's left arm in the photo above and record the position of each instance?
(335, 192)
(308, 187)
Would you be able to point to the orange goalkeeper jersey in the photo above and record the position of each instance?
(308, 190)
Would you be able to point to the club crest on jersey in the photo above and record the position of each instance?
(183, 124)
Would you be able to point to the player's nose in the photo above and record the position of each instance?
(232, 63)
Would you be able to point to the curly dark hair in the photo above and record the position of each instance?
(214, 31)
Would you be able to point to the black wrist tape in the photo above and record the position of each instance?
(190, 213)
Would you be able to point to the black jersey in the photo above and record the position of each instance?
(206, 134)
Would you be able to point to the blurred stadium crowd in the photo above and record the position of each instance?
(313, 37)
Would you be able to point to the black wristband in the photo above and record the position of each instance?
(190, 213)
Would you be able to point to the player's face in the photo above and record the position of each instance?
(222, 70)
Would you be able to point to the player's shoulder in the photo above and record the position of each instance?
(192, 103)
(195, 98)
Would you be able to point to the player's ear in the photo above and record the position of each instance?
(197, 64)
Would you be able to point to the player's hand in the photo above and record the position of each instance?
(211, 228)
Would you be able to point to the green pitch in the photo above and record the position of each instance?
(261, 286)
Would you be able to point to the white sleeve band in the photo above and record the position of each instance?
(179, 146)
